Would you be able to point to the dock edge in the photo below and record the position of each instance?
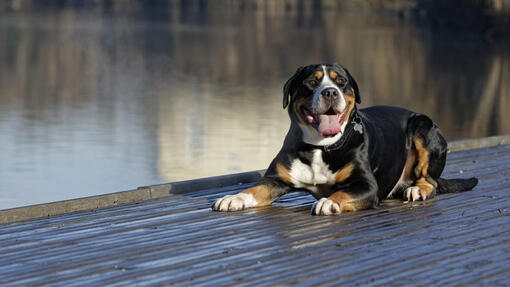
(144, 193)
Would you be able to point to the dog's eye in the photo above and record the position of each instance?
(313, 83)
(340, 81)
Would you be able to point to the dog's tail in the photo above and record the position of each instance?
(456, 185)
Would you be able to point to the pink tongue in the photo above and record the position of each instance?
(329, 125)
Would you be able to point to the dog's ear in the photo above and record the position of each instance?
(290, 87)
(354, 86)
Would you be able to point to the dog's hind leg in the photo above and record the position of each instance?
(424, 185)
(429, 147)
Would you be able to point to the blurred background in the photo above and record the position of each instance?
(103, 96)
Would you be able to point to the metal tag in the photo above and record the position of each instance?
(359, 128)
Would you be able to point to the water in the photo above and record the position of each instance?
(99, 99)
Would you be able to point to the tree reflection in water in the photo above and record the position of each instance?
(99, 98)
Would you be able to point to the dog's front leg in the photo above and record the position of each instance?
(262, 194)
(361, 197)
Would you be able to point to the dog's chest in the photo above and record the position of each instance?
(311, 175)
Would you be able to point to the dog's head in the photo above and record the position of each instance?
(321, 99)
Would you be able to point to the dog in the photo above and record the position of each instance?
(349, 159)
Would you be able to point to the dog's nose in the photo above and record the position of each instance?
(330, 94)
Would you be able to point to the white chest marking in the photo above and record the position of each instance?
(309, 176)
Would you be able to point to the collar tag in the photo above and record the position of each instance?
(359, 128)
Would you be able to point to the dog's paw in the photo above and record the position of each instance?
(414, 193)
(325, 206)
(234, 202)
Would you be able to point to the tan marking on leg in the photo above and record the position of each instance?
(425, 186)
(318, 75)
(424, 182)
(261, 193)
(349, 203)
(333, 74)
(422, 165)
(283, 173)
(344, 173)
(407, 176)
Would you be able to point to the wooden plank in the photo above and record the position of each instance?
(452, 239)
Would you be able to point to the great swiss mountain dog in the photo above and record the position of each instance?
(349, 159)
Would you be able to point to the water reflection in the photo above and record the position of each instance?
(106, 98)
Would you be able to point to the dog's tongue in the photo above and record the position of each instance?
(329, 125)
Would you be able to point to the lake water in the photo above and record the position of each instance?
(99, 99)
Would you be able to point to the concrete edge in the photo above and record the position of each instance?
(164, 190)
(469, 144)
(142, 193)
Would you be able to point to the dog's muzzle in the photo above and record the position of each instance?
(330, 94)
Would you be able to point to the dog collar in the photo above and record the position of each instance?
(355, 125)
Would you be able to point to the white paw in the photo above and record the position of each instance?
(325, 206)
(414, 193)
(234, 202)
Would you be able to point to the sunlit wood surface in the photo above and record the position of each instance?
(450, 240)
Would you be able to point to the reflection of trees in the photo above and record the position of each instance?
(202, 134)
(494, 107)
(190, 58)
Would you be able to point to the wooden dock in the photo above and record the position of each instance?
(453, 239)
